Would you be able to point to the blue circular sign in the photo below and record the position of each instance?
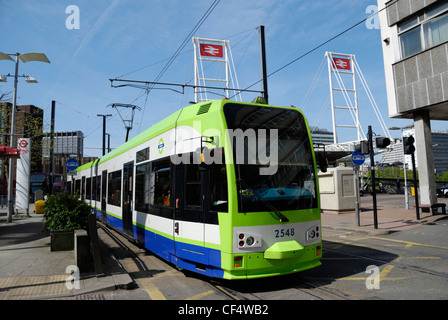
(358, 158)
(72, 164)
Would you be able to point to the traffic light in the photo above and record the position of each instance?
(362, 147)
(382, 142)
(408, 145)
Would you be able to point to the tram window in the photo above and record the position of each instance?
(94, 188)
(98, 188)
(142, 155)
(83, 187)
(78, 187)
(193, 185)
(161, 171)
(88, 188)
(218, 188)
(144, 187)
(114, 188)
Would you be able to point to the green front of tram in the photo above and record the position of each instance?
(273, 222)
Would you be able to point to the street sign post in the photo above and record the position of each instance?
(72, 164)
(358, 158)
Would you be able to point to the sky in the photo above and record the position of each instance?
(134, 39)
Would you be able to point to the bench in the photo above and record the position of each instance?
(434, 208)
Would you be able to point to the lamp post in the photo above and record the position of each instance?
(406, 195)
(26, 57)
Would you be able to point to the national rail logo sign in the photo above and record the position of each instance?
(340, 63)
(211, 50)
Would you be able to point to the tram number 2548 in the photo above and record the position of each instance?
(281, 233)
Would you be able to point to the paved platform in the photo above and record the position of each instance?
(29, 270)
(389, 219)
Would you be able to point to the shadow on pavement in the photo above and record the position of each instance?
(16, 232)
(339, 261)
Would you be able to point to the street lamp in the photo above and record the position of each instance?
(406, 195)
(26, 57)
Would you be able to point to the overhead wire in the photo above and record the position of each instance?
(179, 49)
(323, 43)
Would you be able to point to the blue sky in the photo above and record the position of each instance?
(116, 38)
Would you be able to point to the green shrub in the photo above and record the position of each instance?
(65, 212)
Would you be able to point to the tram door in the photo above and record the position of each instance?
(103, 196)
(190, 197)
(128, 176)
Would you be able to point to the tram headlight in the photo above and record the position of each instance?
(312, 233)
(245, 240)
(250, 241)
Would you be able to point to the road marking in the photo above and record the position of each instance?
(152, 290)
(386, 270)
(410, 244)
(200, 295)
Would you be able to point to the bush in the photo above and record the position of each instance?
(65, 212)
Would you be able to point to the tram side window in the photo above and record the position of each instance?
(193, 185)
(83, 187)
(144, 187)
(218, 188)
(88, 188)
(94, 188)
(161, 171)
(78, 187)
(114, 188)
(98, 188)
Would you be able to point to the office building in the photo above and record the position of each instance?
(414, 36)
(65, 143)
(321, 136)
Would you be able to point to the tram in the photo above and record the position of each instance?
(222, 188)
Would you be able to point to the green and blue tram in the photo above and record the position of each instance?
(222, 188)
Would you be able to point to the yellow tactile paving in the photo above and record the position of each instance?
(31, 287)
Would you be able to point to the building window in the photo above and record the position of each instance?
(424, 30)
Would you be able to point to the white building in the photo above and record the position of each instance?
(414, 36)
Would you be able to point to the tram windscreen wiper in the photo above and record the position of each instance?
(280, 215)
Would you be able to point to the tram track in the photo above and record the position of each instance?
(294, 286)
(297, 287)
(236, 291)
(333, 293)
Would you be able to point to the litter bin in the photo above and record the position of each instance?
(39, 207)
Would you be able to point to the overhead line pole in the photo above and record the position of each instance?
(104, 130)
(53, 107)
(264, 73)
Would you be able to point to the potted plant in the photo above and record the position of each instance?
(64, 213)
